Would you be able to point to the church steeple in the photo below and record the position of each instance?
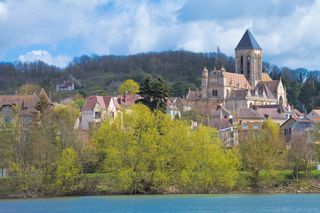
(249, 58)
(248, 42)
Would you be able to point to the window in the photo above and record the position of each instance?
(214, 92)
(244, 126)
(241, 64)
(256, 127)
(248, 64)
(7, 119)
(287, 131)
(97, 115)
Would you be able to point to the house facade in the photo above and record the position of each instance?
(97, 109)
(65, 86)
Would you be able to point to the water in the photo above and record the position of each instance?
(168, 203)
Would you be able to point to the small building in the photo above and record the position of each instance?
(22, 106)
(222, 120)
(276, 112)
(65, 86)
(176, 106)
(294, 128)
(97, 109)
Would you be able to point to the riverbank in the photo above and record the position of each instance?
(95, 185)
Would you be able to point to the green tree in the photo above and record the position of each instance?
(68, 170)
(179, 89)
(29, 89)
(129, 87)
(262, 151)
(155, 93)
(146, 151)
(43, 103)
(300, 155)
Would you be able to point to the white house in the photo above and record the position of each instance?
(65, 86)
(97, 109)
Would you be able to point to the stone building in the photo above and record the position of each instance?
(246, 87)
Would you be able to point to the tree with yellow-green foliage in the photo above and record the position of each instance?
(262, 151)
(129, 87)
(147, 151)
(68, 171)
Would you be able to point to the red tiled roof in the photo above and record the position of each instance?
(127, 100)
(91, 101)
(236, 80)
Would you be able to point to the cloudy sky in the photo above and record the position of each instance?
(57, 30)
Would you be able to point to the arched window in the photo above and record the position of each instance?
(248, 64)
(241, 64)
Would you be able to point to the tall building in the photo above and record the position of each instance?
(246, 86)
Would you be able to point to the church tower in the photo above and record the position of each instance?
(249, 58)
(204, 82)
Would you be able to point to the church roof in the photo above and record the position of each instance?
(272, 85)
(236, 80)
(248, 42)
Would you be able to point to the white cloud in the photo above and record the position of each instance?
(3, 11)
(290, 36)
(45, 56)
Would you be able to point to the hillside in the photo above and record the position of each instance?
(182, 69)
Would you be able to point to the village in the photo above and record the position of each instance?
(236, 103)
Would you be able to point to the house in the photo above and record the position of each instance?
(176, 106)
(247, 121)
(245, 87)
(294, 128)
(65, 86)
(97, 109)
(222, 120)
(314, 115)
(22, 106)
(276, 112)
(127, 100)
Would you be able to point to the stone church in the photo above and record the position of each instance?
(247, 86)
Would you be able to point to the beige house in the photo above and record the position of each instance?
(245, 87)
(97, 109)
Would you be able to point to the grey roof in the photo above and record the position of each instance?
(248, 42)
(248, 113)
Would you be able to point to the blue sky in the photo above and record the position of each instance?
(56, 31)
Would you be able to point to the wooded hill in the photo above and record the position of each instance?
(182, 69)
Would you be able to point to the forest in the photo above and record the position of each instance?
(103, 74)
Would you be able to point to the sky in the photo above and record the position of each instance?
(55, 31)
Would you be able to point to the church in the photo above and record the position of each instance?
(248, 86)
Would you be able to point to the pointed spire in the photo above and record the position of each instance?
(248, 42)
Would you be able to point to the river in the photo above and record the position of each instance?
(168, 203)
